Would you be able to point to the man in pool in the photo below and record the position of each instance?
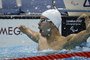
(49, 36)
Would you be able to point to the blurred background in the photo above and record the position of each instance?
(33, 6)
(38, 6)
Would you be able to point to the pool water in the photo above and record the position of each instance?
(24, 51)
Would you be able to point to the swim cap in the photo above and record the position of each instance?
(54, 16)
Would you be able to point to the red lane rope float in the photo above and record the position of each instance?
(56, 56)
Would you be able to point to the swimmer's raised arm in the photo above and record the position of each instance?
(87, 19)
(77, 39)
(31, 34)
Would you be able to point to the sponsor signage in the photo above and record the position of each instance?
(10, 35)
(71, 25)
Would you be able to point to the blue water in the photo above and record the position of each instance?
(20, 51)
(25, 51)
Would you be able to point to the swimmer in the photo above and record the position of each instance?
(49, 36)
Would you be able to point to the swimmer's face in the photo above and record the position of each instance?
(44, 27)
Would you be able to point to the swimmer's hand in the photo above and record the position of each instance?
(22, 28)
(30, 33)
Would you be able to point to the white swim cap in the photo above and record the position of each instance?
(54, 16)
